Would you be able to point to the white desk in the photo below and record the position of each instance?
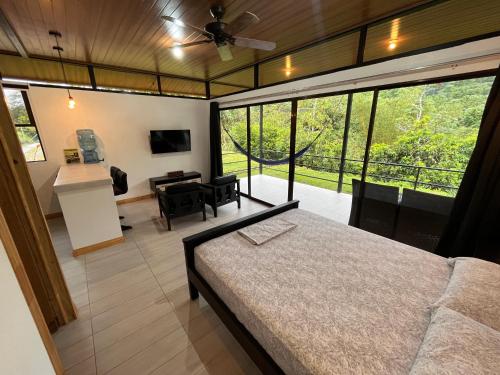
(85, 193)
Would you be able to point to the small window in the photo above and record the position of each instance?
(27, 132)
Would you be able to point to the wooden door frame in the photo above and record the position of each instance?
(29, 295)
(28, 228)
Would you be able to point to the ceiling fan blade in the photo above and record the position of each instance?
(225, 52)
(192, 43)
(241, 22)
(254, 43)
(191, 28)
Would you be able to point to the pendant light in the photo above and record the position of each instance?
(59, 49)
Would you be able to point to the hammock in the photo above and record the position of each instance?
(269, 161)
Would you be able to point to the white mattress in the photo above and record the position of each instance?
(326, 298)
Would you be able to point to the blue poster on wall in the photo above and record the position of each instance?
(88, 145)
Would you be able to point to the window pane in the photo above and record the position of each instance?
(272, 184)
(234, 127)
(424, 135)
(16, 106)
(30, 143)
(323, 118)
(356, 141)
(320, 125)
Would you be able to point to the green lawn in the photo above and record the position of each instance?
(236, 162)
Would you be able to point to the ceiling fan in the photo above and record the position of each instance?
(223, 34)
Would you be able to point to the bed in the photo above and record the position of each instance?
(323, 298)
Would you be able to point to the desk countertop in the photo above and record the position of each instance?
(81, 176)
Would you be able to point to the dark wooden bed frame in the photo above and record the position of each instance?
(197, 284)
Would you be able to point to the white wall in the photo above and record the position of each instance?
(121, 123)
(484, 54)
(21, 347)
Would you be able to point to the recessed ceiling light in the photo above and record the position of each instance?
(392, 44)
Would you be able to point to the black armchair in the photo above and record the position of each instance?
(221, 191)
(379, 208)
(422, 218)
(180, 200)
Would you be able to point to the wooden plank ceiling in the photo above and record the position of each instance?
(131, 34)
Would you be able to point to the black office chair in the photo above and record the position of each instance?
(379, 208)
(120, 186)
(422, 218)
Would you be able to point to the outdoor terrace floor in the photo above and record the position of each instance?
(324, 202)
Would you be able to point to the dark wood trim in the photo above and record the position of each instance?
(366, 158)
(197, 283)
(256, 82)
(207, 90)
(347, 125)
(249, 152)
(369, 136)
(158, 83)
(93, 82)
(32, 121)
(293, 136)
(361, 45)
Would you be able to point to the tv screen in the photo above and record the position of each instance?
(163, 141)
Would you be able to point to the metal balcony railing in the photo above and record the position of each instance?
(336, 162)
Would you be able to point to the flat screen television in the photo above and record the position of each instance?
(163, 141)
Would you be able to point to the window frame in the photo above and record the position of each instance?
(373, 109)
(32, 122)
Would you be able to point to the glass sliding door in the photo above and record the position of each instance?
(319, 141)
(424, 135)
(270, 143)
(234, 129)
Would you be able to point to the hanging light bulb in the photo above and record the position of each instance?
(59, 49)
(71, 102)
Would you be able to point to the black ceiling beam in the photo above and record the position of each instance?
(12, 35)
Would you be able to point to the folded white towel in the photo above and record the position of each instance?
(264, 231)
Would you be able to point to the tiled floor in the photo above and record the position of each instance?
(135, 316)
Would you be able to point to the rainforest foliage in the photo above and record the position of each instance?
(427, 129)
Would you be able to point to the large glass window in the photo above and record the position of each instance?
(424, 135)
(22, 117)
